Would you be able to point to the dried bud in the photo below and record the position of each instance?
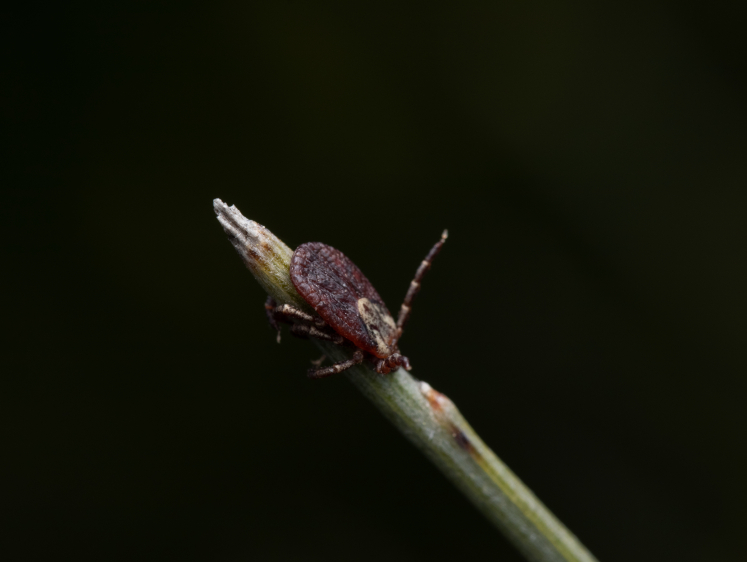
(266, 256)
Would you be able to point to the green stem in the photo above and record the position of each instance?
(426, 417)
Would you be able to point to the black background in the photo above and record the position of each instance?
(587, 314)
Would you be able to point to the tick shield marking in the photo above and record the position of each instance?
(373, 317)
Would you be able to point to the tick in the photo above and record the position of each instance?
(348, 310)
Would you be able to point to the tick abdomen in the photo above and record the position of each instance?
(345, 299)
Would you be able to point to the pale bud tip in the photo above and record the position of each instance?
(266, 256)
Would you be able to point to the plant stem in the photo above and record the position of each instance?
(426, 417)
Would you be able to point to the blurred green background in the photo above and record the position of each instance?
(587, 315)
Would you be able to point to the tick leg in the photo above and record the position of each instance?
(320, 373)
(288, 313)
(386, 366)
(404, 311)
(270, 306)
(303, 331)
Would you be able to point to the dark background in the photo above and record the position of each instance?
(587, 315)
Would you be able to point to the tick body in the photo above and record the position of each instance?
(349, 311)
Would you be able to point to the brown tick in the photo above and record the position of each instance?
(349, 311)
